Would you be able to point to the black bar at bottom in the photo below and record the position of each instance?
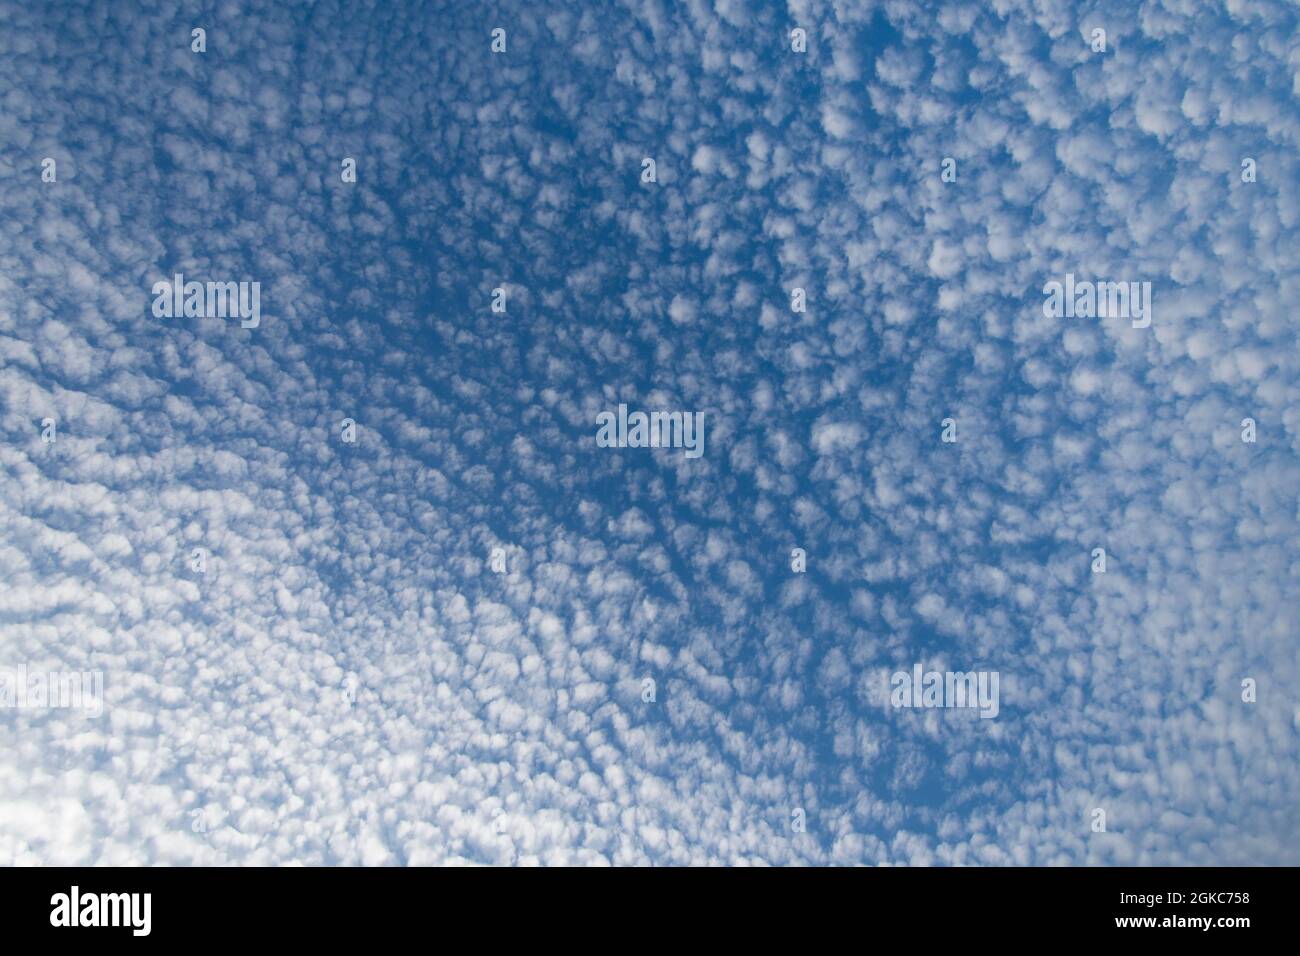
(338, 907)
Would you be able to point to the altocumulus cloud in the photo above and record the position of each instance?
(462, 631)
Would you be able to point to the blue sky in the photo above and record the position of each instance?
(349, 682)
